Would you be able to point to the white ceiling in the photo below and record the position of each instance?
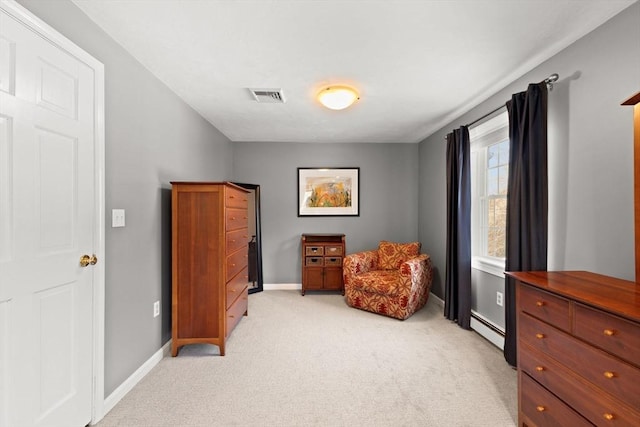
(417, 64)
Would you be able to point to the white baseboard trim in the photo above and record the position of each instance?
(436, 299)
(281, 286)
(489, 334)
(116, 396)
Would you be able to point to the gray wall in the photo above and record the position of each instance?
(388, 197)
(590, 154)
(152, 137)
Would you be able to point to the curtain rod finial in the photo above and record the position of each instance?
(551, 80)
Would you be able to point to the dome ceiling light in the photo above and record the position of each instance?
(337, 97)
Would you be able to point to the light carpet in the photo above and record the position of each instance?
(314, 361)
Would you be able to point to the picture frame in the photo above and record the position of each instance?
(328, 191)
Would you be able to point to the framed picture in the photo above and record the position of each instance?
(328, 191)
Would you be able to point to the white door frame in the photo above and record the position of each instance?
(47, 32)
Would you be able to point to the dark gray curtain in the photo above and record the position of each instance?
(457, 298)
(527, 197)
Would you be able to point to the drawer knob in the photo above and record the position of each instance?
(608, 416)
(540, 303)
(233, 218)
(609, 374)
(609, 332)
(540, 336)
(540, 408)
(539, 368)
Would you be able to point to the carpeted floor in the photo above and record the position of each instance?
(313, 361)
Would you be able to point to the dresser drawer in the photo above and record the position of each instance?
(235, 219)
(617, 378)
(236, 262)
(545, 306)
(314, 261)
(236, 311)
(590, 401)
(235, 198)
(236, 286)
(609, 332)
(333, 250)
(236, 239)
(314, 250)
(544, 409)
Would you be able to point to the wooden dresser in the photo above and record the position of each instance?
(578, 349)
(322, 256)
(209, 262)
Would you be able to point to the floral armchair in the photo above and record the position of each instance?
(393, 280)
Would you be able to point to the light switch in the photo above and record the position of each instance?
(117, 218)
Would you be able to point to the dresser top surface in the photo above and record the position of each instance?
(207, 183)
(619, 296)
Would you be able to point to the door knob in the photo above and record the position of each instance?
(85, 260)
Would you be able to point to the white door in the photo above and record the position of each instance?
(47, 222)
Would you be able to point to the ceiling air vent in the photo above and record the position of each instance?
(271, 96)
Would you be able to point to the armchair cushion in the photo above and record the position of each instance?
(391, 255)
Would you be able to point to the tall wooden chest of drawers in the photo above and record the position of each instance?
(578, 349)
(322, 256)
(209, 262)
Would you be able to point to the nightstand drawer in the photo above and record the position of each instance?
(314, 250)
(331, 250)
(335, 261)
(609, 332)
(314, 261)
(545, 306)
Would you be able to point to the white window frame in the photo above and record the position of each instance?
(491, 131)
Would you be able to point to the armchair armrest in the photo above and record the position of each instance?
(357, 263)
(417, 271)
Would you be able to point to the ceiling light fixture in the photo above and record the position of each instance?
(337, 97)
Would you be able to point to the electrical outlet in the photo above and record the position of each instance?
(499, 298)
(156, 309)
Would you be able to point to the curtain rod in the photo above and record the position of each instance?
(549, 81)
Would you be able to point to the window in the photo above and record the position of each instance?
(489, 177)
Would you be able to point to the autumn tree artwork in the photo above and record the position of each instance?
(329, 193)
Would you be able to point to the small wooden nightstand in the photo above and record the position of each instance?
(322, 256)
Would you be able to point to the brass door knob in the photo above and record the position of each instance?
(85, 260)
